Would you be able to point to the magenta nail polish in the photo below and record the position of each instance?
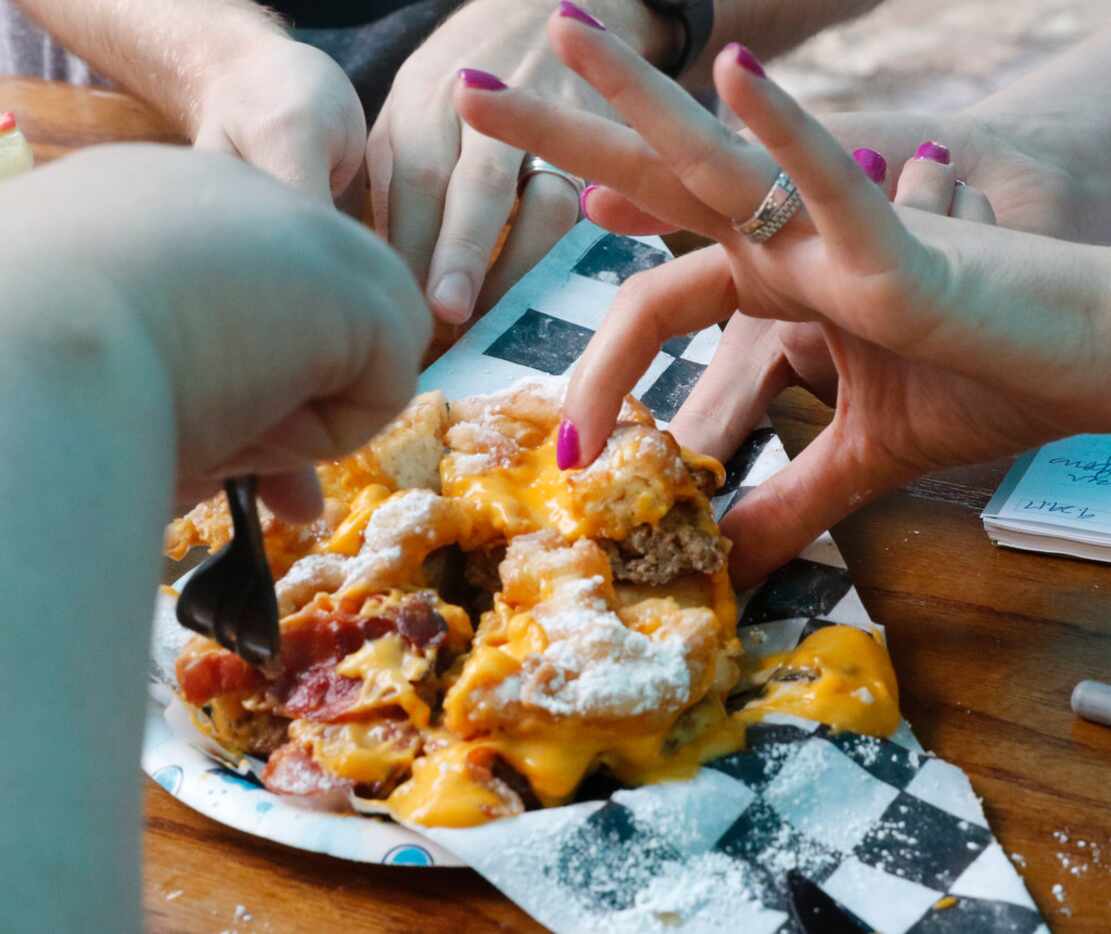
(582, 200)
(873, 164)
(934, 152)
(571, 11)
(746, 59)
(481, 80)
(567, 445)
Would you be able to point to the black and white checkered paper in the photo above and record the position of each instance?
(886, 829)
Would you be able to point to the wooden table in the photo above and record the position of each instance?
(987, 644)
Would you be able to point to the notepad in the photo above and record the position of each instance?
(1057, 499)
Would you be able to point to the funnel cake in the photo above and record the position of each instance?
(469, 632)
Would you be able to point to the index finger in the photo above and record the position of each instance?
(649, 309)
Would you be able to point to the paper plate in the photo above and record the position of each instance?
(241, 802)
(173, 756)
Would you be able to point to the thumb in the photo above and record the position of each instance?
(291, 158)
(834, 476)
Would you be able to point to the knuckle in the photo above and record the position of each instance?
(636, 292)
(488, 175)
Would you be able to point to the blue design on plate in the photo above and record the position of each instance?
(248, 782)
(408, 854)
(169, 777)
(263, 806)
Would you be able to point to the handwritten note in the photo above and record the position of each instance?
(1066, 484)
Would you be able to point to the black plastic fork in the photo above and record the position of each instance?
(230, 597)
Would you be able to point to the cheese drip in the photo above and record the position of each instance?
(854, 690)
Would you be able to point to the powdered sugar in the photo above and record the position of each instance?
(404, 529)
(470, 465)
(410, 514)
(307, 577)
(550, 389)
(703, 893)
(595, 666)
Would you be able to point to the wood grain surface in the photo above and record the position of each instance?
(987, 644)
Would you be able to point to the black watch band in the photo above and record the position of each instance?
(697, 18)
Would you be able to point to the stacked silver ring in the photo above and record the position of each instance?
(780, 204)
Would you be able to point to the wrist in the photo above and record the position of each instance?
(218, 63)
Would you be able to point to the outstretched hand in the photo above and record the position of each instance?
(922, 328)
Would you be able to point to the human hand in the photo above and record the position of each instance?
(287, 109)
(1020, 161)
(949, 342)
(443, 193)
(286, 332)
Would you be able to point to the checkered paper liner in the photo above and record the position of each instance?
(884, 828)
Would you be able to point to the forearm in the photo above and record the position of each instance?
(158, 49)
(1040, 308)
(87, 434)
(770, 27)
(1047, 116)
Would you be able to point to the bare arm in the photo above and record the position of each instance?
(158, 49)
(771, 27)
(229, 76)
(152, 347)
(1048, 117)
(1038, 148)
(87, 432)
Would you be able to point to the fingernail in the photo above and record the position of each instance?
(454, 296)
(7, 121)
(934, 152)
(481, 80)
(582, 200)
(746, 59)
(567, 445)
(873, 164)
(571, 11)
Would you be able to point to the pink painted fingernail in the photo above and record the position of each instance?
(571, 11)
(746, 59)
(873, 164)
(481, 80)
(934, 152)
(582, 200)
(7, 121)
(567, 445)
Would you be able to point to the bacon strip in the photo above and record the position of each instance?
(315, 641)
(207, 674)
(317, 693)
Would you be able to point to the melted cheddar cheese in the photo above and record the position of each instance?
(517, 711)
(531, 492)
(842, 677)
(388, 674)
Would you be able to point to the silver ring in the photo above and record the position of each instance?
(781, 203)
(534, 165)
